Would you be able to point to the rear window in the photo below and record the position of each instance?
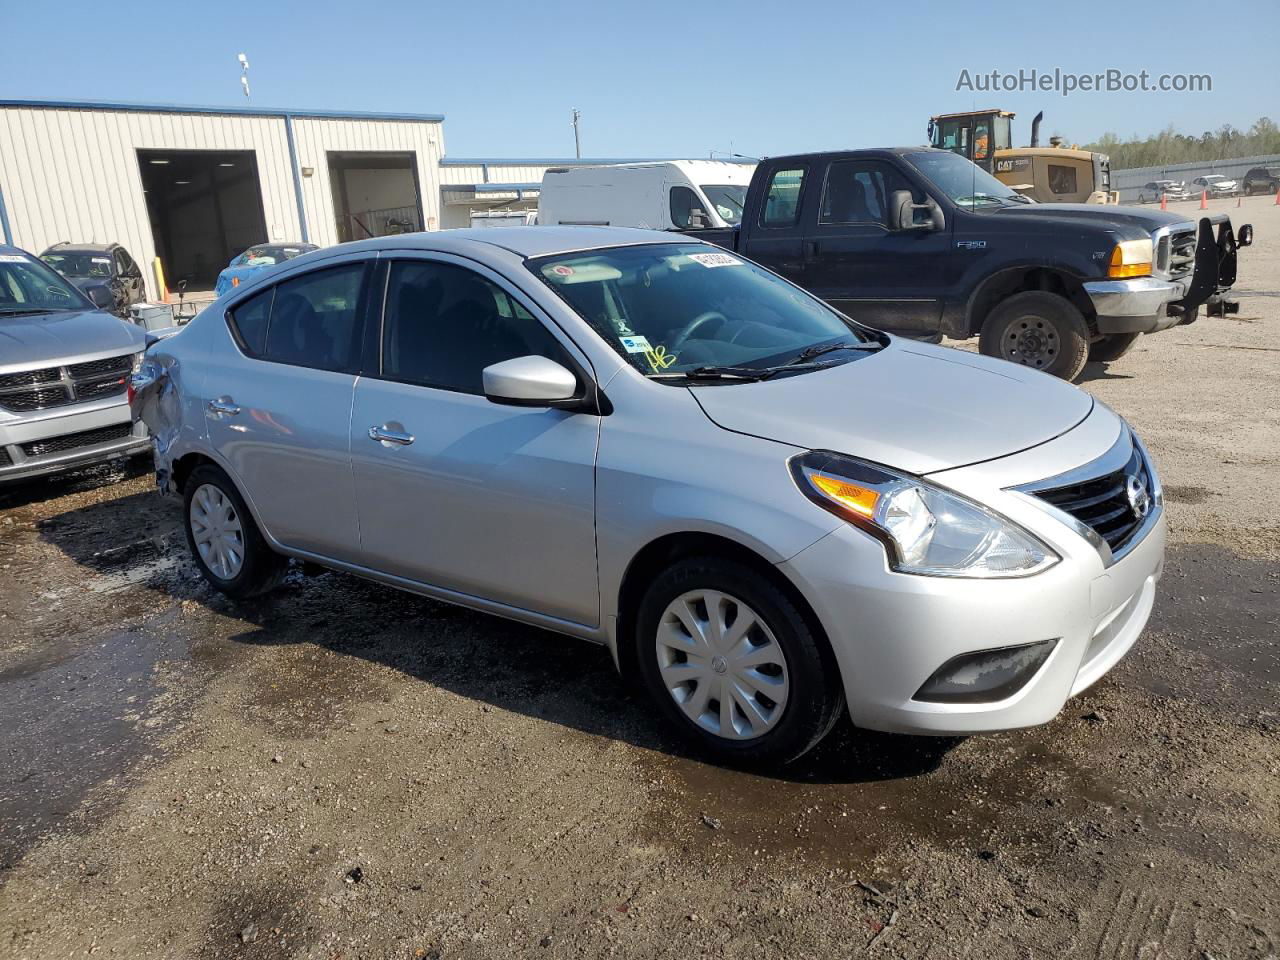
(249, 320)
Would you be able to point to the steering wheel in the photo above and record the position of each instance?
(693, 325)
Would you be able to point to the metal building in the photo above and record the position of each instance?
(195, 186)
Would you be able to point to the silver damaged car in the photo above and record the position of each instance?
(767, 512)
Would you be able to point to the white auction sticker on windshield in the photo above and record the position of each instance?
(715, 259)
(635, 344)
(101, 259)
(10, 258)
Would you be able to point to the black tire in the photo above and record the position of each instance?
(1039, 330)
(261, 568)
(815, 698)
(1111, 347)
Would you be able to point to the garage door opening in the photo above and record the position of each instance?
(374, 194)
(205, 208)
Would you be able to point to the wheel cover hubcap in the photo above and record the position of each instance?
(722, 665)
(1030, 341)
(216, 530)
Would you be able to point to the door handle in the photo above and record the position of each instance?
(384, 434)
(809, 249)
(223, 407)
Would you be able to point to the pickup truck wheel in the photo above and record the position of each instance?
(1111, 347)
(1040, 330)
(732, 665)
(224, 540)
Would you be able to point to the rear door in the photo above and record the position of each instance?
(858, 262)
(777, 237)
(278, 404)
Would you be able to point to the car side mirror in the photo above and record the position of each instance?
(101, 297)
(903, 212)
(1245, 235)
(531, 381)
(698, 219)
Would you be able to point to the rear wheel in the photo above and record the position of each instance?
(1039, 330)
(733, 665)
(224, 540)
(1111, 347)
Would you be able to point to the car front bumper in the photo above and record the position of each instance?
(891, 631)
(61, 438)
(1136, 305)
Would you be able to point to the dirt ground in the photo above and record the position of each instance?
(343, 771)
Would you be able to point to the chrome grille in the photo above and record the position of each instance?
(49, 387)
(1102, 503)
(74, 441)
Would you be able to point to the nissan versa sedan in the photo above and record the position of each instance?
(64, 371)
(767, 512)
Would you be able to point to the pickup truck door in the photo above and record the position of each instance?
(858, 261)
(776, 239)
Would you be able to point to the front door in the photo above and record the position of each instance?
(277, 396)
(455, 491)
(884, 277)
(777, 241)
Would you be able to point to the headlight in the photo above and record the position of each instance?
(1131, 258)
(926, 529)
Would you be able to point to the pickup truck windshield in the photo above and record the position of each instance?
(965, 183)
(80, 264)
(28, 286)
(683, 307)
(728, 200)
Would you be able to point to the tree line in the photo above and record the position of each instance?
(1168, 146)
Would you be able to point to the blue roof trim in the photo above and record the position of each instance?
(201, 108)
(573, 161)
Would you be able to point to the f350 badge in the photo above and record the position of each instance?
(971, 244)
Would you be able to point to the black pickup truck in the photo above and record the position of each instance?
(922, 242)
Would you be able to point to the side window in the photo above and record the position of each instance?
(859, 191)
(684, 206)
(315, 320)
(249, 322)
(1062, 179)
(782, 201)
(127, 266)
(444, 324)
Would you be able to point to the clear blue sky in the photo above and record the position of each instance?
(651, 78)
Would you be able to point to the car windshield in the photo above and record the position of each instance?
(728, 199)
(29, 286)
(1213, 178)
(267, 254)
(671, 309)
(967, 184)
(79, 264)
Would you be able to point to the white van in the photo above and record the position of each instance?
(666, 195)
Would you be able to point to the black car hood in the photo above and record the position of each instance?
(85, 284)
(1103, 215)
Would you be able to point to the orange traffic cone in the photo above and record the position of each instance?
(1164, 201)
(1278, 198)
(1204, 199)
(1238, 198)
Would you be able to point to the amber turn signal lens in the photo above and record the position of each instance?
(1132, 258)
(235, 281)
(856, 498)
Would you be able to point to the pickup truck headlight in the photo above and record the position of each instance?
(1131, 258)
(925, 529)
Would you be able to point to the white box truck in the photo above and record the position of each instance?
(663, 195)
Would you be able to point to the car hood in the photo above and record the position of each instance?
(911, 406)
(88, 283)
(1103, 214)
(27, 341)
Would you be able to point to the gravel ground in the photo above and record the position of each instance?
(343, 771)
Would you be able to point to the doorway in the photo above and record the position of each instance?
(205, 208)
(374, 193)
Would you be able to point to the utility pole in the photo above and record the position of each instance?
(577, 141)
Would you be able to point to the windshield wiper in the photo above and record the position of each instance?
(24, 311)
(818, 349)
(718, 373)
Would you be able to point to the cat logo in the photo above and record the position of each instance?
(971, 244)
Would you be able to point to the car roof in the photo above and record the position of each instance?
(531, 241)
(68, 247)
(861, 152)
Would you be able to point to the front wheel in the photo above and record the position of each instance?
(733, 665)
(1039, 330)
(224, 540)
(1111, 347)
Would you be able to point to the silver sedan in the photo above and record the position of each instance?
(768, 513)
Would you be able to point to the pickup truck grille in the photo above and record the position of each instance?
(1102, 503)
(74, 441)
(49, 387)
(1176, 257)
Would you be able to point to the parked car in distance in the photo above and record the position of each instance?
(922, 242)
(64, 370)
(1261, 180)
(1157, 190)
(1215, 185)
(104, 272)
(768, 513)
(256, 258)
(666, 195)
